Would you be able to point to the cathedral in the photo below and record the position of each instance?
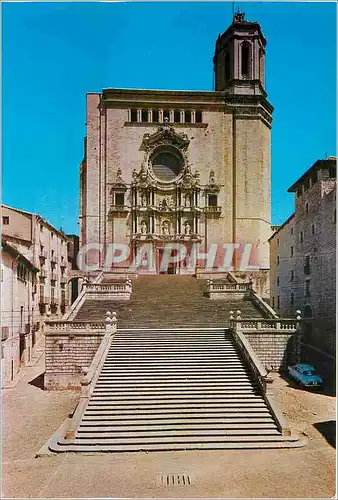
(185, 167)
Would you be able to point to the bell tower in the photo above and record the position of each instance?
(239, 58)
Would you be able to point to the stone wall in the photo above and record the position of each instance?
(68, 352)
(274, 349)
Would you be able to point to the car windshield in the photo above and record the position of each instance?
(308, 373)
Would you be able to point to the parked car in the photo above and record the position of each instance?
(305, 375)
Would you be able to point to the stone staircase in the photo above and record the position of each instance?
(174, 389)
(167, 301)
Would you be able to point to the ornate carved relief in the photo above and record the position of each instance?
(212, 187)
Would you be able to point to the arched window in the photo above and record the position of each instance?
(245, 60)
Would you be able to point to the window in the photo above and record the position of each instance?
(306, 184)
(277, 260)
(307, 288)
(133, 115)
(119, 199)
(312, 229)
(291, 231)
(41, 228)
(166, 115)
(301, 237)
(273, 302)
(187, 116)
(198, 117)
(155, 116)
(177, 116)
(212, 200)
(307, 266)
(277, 280)
(144, 115)
(52, 235)
(167, 165)
(278, 242)
(306, 208)
(5, 220)
(245, 60)
(292, 275)
(292, 299)
(278, 302)
(335, 216)
(291, 251)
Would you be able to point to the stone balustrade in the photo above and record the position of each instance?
(230, 291)
(108, 291)
(276, 341)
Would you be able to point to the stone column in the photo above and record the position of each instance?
(160, 115)
(182, 115)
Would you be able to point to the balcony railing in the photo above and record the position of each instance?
(63, 264)
(43, 274)
(118, 209)
(213, 210)
(53, 277)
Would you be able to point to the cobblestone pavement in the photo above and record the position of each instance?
(31, 415)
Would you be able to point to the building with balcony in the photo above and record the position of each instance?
(46, 248)
(303, 255)
(19, 313)
(182, 166)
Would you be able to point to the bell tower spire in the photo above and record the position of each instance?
(239, 58)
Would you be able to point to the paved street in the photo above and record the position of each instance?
(32, 415)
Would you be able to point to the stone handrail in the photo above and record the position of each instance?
(91, 375)
(68, 327)
(254, 363)
(261, 324)
(260, 373)
(262, 305)
(75, 307)
(228, 287)
(107, 287)
(98, 278)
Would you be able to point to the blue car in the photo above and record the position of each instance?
(305, 375)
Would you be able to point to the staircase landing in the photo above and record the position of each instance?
(168, 300)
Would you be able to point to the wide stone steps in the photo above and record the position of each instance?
(174, 390)
(159, 301)
(198, 425)
(131, 434)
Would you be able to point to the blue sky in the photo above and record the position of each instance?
(53, 53)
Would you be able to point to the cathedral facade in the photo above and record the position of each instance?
(184, 167)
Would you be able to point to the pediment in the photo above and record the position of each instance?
(164, 135)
